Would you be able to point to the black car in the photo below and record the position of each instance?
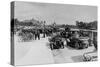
(56, 42)
(77, 43)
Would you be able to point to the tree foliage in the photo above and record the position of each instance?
(84, 25)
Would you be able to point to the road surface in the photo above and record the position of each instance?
(37, 52)
(34, 52)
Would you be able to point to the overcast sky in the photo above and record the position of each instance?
(61, 14)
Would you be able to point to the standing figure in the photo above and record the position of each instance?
(33, 32)
(44, 33)
(37, 34)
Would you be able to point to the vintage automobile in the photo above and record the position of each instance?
(90, 56)
(85, 40)
(56, 42)
(78, 43)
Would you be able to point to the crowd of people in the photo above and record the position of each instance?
(29, 34)
(57, 37)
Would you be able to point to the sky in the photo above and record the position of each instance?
(59, 13)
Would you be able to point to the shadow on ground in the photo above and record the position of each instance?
(77, 58)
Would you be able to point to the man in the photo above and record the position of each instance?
(44, 33)
(37, 34)
(63, 34)
(33, 32)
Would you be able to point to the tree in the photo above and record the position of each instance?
(84, 25)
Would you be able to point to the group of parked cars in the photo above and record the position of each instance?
(57, 42)
(77, 43)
